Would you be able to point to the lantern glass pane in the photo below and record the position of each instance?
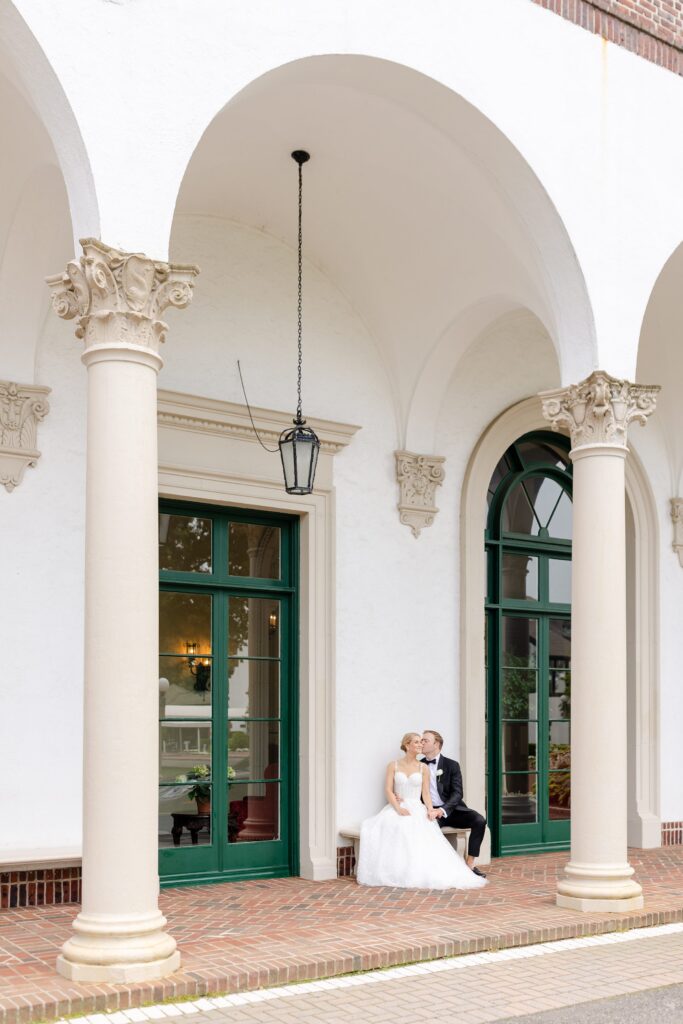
(304, 456)
(287, 454)
(314, 462)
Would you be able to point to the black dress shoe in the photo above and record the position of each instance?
(476, 871)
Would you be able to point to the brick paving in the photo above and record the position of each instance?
(490, 992)
(248, 935)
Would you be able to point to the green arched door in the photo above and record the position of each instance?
(528, 646)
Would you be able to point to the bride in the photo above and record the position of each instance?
(403, 845)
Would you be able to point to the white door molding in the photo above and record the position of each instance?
(208, 453)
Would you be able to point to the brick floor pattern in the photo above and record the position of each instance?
(248, 935)
(490, 992)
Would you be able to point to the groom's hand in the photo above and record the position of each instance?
(438, 812)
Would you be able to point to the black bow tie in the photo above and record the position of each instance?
(426, 761)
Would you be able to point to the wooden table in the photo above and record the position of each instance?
(194, 823)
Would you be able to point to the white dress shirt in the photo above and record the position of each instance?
(433, 791)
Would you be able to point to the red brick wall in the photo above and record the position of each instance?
(40, 887)
(651, 28)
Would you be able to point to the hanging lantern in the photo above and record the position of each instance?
(299, 447)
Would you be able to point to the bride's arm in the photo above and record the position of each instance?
(426, 795)
(389, 790)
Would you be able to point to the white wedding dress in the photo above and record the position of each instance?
(410, 852)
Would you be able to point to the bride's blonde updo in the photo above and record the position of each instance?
(406, 740)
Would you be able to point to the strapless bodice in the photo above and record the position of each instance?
(407, 787)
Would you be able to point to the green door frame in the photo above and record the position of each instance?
(220, 860)
(545, 833)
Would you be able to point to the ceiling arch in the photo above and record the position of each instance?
(415, 204)
(26, 68)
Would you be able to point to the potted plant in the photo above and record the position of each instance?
(200, 777)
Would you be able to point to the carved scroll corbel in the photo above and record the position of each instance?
(22, 407)
(418, 477)
(677, 520)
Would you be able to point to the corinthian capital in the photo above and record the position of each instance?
(599, 409)
(117, 298)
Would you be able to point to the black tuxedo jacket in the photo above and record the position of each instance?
(449, 784)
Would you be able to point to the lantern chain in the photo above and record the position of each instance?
(299, 417)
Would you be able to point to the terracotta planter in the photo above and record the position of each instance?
(203, 806)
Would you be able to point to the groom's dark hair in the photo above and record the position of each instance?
(437, 736)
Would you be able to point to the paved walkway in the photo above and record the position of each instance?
(250, 935)
(504, 986)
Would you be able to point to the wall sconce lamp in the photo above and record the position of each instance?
(272, 622)
(200, 668)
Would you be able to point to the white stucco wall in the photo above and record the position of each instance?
(397, 598)
(41, 611)
(577, 131)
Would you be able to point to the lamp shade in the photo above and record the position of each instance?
(299, 449)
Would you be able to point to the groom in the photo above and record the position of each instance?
(445, 789)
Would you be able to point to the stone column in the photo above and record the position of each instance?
(117, 299)
(597, 412)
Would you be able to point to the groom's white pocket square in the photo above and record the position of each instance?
(440, 771)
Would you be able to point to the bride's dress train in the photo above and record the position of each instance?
(410, 852)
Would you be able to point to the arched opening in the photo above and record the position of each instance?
(423, 227)
(643, 622)
(528, 645)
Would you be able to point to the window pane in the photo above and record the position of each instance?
(560, 523)
(184, 687)
(180, 823)
(520, 577)
(501, 470)
(538, 506)
(560, 580)
(518, 513)
(519, 693)
(184, 624)
(254, 688)
(254, 627)
(253, 812)
(253, 750)
(559, 796)
(184, 543)
(254, 551)
(519, 746)
(519, 799)
(533, 453)
(559, 669)
(559, 750)
(185, 752)
(561, 642)
(519, 641)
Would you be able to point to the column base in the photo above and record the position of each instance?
(118, 974)
(118, 949)
(599, 888)
(599, 906)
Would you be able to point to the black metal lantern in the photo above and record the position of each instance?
(299, 447)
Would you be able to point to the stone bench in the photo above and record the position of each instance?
(457, 837)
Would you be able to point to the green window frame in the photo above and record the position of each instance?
(528, 631)
(215, 858)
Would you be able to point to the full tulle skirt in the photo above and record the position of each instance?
(410, 852)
